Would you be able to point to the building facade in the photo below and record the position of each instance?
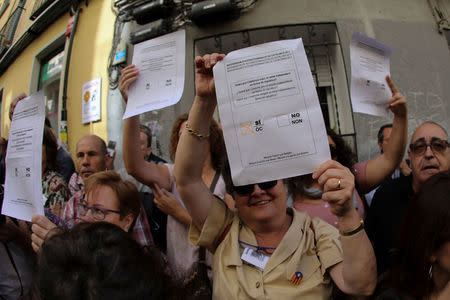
(417, 30)
(36, 56)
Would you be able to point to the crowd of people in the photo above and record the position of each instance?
(378, 229)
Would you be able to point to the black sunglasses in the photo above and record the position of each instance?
(248, 189)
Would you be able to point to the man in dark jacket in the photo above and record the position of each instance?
(429, 153)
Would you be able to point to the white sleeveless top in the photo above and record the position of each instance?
(180, 253)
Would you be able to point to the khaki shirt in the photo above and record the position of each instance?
(301, 249)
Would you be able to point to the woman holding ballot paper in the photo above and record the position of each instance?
(266, 249)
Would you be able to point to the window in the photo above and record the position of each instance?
(49, 81)
(323, 49)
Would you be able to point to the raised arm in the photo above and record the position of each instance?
(191, 151)
(357, 273)
(135, 163)
(383, 165)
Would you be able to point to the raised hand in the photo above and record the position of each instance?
(129, 75)
(337, 183)
(166, 201)
(397, 104)
(204, 79)
(42, 228)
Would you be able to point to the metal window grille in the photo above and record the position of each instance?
(323, 49)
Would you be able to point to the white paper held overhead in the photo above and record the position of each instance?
(23, 180)
(161, 64)
(370, 92)
(270, 113)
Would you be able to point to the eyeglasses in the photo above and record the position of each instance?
(248, 189)
(420, 146)
(96, 212)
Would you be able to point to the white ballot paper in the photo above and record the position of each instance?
(161, 64)
(370, 92)
(270, 112)
(23, 182)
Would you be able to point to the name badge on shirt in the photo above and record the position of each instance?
(254, 258)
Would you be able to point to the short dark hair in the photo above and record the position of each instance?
(101, 261)
(148, 132)
(430, 207)
(126, 191)
(380, 134)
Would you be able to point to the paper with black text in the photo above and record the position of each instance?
(23, 180)
(161, 64)
(270, 112)
(370, 64)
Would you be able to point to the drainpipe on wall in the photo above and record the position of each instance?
(63, 124)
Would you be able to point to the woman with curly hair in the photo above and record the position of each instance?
(306, 194)
(181, 254)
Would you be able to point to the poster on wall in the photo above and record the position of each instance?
(91, 101)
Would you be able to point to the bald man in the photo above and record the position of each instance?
(91, 157)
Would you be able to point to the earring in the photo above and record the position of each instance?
(430, 271)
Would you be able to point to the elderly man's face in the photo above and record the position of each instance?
(90, 158)
(427, 160)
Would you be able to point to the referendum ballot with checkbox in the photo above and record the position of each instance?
(270, 113)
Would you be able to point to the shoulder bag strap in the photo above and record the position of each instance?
(212, 187)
